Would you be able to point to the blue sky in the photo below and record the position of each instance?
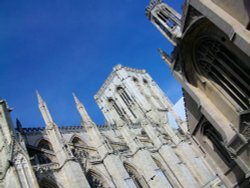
(60, 47)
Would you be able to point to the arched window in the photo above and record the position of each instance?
(45, 183)
(215, 61)
(124, 95)
(95, 180)
(116, 107)
(138, 179)
(44, 144)
(126, 99)
(42, 157)
(216, 142)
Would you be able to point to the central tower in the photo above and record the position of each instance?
(132, 95)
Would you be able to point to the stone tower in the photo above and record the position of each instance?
(129, 97)
(211, 61)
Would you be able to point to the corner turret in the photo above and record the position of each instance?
(166, 19)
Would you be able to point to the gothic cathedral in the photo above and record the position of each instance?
(137, 148)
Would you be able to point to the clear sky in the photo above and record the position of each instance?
(59, 47)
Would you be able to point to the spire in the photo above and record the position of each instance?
(82, 110)
(44, 110)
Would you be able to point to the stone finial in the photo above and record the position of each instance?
(82, 110)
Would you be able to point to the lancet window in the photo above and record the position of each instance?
(126, 99)
(116, 107)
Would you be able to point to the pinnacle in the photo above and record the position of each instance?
(77, 101)
(82, 109)
(40, 100)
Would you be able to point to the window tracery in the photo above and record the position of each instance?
(215, 61)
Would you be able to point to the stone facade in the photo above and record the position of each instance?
(211, 61)
(136, 148)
